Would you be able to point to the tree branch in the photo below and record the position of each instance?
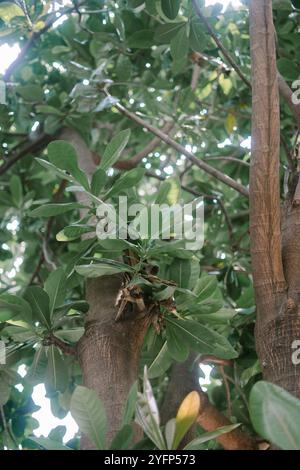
(30, 147)
(179, 148)
(224, 51)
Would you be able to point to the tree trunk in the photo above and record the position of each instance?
(275, 242)
(108, 352)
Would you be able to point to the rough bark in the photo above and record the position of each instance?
(274, 243)
(108, 352)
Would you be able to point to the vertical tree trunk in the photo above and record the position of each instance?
(274, 245)
(108, 352)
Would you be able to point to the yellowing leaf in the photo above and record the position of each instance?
(230, 123)
(38, 26)
(205, 92)
(186, 416)
(225, 83)
(8, 10)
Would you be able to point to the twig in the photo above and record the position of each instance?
(31, 147)
(224, 51)
(179, 148)
(51, 339)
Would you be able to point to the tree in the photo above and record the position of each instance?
(152, 101)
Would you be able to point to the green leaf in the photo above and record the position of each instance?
(170, 8)
(39, 302)
(177, 348)
(37, 371)
(16, 190)
(57, 372)
(12, 306)
(114, 149)
(205, 287)
(88, 412)
(201, 338)
(160, 363)
(275, 415)
(98, 181)
(129, 409)
(55, 286)
(31, 92)
(49, 210)
(122, 439)
(169, 192)
(165, 32)
(46, 109)
(288, 68)
(141, 39)
(48, 444)
(62, 174)
(103, 268)
(180, 46)
(208, 436)
(72, 232)
(186, 416)
(127, 180)
(9, 10)
(184, 272)
(63, 155)
(198, 37)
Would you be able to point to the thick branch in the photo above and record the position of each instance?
(265, 233)
(172, 143)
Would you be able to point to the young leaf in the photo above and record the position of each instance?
(55, 286)
(275, 415)
(57, 372)
(195, 444)
(39, 302)
(186, 416)
(103, 268)
(16, 190)
(127, 180)
(169, 192)
(88, 412)
(114, 149)
(49, 210)
(63, 155)
(98, 181)
(170, 430)
(147, 414)
(72, 232)
(160, 363)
